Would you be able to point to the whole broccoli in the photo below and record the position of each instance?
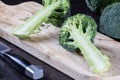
(99, 5)
(77, 32)
(110, 21)
(53, 11)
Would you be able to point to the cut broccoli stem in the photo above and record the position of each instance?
(98, 62)
(82, 28)
(32, 23)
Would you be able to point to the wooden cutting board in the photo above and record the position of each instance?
(45, 45)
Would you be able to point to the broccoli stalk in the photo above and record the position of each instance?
(81, 29)
(49, 13)
(98, 63)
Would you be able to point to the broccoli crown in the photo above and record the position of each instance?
(99, 5)
(110, 21)
(60, 13)
(85, 24)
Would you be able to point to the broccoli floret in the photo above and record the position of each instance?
(53, 11)
(60, 13)
(110, 21)
(92, 4)
(77, 32)
(67, 41)
(99, 5)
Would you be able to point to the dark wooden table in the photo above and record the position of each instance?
(7, 72)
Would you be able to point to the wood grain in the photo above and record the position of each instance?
(45, 45)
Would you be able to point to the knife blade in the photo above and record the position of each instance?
(22, 65)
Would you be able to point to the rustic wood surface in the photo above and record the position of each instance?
(45, 45)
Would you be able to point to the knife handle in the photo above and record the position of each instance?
(17, 61)
(22, 65)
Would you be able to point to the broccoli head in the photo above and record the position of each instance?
(53, 11)
(110, 21)
(77, 32)
(58, 16)
(99, 5)
(87, 25)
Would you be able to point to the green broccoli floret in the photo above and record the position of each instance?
(77, 32)
(60, 13)
(99, 5)
(110, 21)
(92, 4)
(53, 11)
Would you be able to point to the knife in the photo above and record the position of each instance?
(22, 65)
